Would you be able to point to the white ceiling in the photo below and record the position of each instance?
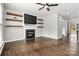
(69, 10)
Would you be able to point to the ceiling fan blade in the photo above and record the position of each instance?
(40, 4)
(48, 9)
(41, 8)
(52, 4)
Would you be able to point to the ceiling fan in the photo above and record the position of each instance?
(46, 5)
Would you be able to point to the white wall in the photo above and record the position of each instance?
(13, 33)
(39, 31)
(74, 20)
(1, 39)
(61, 26)
(68, 26)
(50, 25)
(64, 26)
(54, 24)
(1, 27)
(0, 23)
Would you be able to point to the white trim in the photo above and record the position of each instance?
(52, 37)
(16, 39)
(59, 37)
(13, 40)
(1, 47)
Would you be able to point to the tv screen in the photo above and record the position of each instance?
(30, 19)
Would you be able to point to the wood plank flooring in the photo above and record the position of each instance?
(41, 46)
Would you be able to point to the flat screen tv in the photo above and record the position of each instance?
(30, 19)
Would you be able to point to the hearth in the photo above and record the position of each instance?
(30, 34)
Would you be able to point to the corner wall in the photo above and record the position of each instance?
(54, 24)
(50, 25)
(61, 26)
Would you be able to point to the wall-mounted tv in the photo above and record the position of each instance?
(30, 19)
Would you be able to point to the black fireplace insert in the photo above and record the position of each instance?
(30, 33)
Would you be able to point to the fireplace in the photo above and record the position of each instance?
(30, 34)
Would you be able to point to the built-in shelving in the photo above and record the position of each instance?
(40, 23)
(13, 20)
(9, 13)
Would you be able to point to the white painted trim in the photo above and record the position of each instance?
(59, 37)
(52, 37)
(1, 46)
(13, 40)
(16, 40)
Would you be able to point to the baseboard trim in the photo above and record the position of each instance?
(13, 40)
(36, 37)
(1, 47)
(52, 37)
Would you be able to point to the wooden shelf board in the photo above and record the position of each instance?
(9, 13)
(39, 23)
(40, 19)
(13, 26)
(40, 26)
(13, 20)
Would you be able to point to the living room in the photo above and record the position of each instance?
(38, 29)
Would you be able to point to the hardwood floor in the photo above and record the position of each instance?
(41, 46)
